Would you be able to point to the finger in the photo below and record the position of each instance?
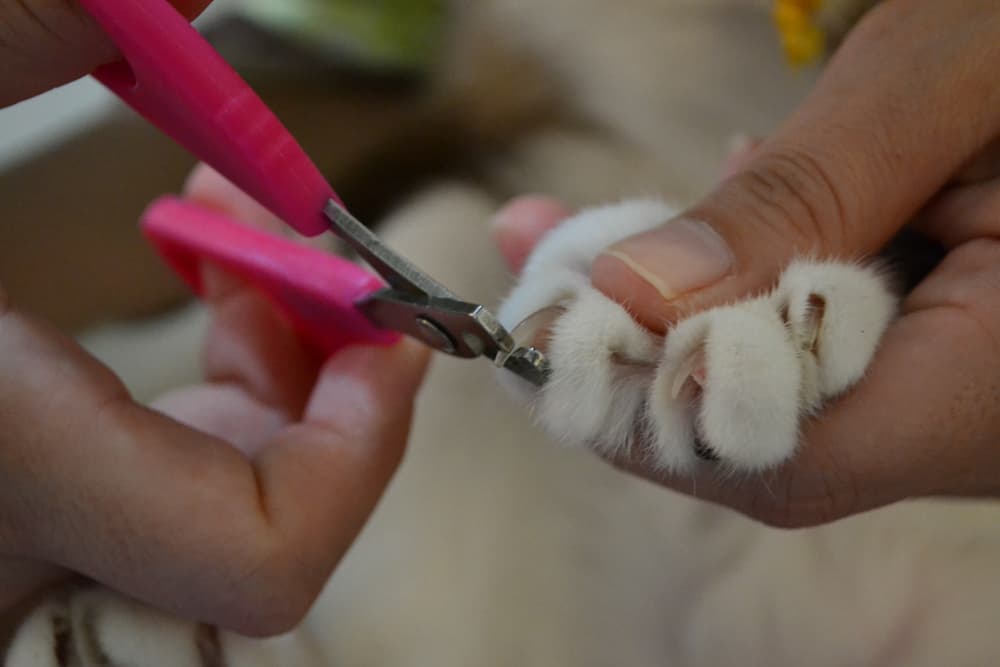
(225, 410)
(330, 470)
(105, 487)
(209, 188)
(985, 166)
(46, 43)
(21, 580)
(249, 342)
(962, 214)
(521, 224)
(874, 141)
(259, 374)
(924, 421)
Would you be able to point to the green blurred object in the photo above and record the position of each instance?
(371, 34)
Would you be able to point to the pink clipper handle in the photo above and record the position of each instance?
(177, 81)
(315, 290)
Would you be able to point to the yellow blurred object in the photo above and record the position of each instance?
(802, 39)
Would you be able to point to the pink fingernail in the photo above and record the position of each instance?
(677, 258)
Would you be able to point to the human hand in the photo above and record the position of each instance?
(230, 504)
(232, 501)
(903, 125)
(46, 43)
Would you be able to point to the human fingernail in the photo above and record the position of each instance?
(680, 257)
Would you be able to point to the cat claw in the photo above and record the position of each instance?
(692, 372)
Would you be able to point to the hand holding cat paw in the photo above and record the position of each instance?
(721, 406)
(906, 107)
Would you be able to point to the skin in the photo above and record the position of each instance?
(903, 128)
(230, 501)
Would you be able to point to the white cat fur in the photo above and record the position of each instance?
(766, 362)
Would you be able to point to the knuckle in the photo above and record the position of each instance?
(273, 597)
(793, 193)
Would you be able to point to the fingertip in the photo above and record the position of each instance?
(406, 363)
(962, 214)
(202, 179)
(519, 226)
(209, 188)
(370, 382)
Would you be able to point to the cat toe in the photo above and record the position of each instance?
(601, 364)
(732, 376)
(838, 312)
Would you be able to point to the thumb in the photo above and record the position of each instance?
(877, 138)
(46, 43)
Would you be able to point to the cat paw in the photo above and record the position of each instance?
(601, 360)
(744, 376)
(727, 387)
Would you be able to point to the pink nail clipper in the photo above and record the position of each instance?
(178, 82)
